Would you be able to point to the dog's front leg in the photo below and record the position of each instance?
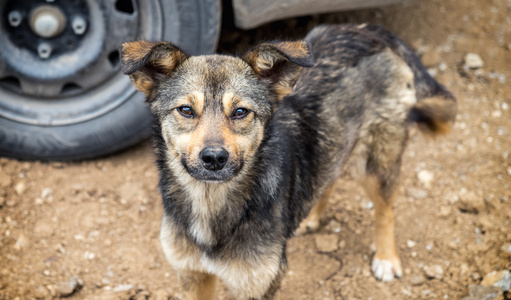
(197, 286)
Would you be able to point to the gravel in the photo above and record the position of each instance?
(473, 61)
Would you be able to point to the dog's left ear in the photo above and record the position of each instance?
(149, 63)
(280, 63)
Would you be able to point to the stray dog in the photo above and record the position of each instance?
(248, 146)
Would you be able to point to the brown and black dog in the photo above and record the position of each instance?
(248, 146)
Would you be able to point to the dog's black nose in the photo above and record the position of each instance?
(214, 158)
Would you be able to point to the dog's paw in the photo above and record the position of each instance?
(386, 270)
(307, 226)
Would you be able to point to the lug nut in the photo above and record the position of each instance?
(15, 18)
(79, 25)
(44, 50)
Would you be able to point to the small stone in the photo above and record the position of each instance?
(469, 202)
(425, 177)
(46, 193)
(435, 271)
(416, 193)
(20, 243)
(326, 242)
(476, 276)
(41, 292)
(20, 188)
(411, 244)
(342, 244)
(500, 279)
(123, 288)
(417, 280)
(452, 245)
(70, 287)
(445, 211)
(506, 248)
(481, 292)
(334, 226)
(473, 61)
(496, 114)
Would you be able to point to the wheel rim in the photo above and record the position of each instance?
(79, 80)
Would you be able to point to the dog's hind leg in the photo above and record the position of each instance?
(311, 223)
(197, 286)
(386, 264)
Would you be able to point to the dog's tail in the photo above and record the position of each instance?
(436, 107)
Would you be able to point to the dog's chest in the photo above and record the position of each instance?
(206, 205)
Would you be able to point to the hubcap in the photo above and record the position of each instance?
(47, 21)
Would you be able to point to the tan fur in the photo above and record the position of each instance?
(444, 111)
(311, 223)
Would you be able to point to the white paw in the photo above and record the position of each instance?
(306, 227)
(385, 270)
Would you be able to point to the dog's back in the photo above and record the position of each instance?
(338, 48)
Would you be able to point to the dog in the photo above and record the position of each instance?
(249, 147)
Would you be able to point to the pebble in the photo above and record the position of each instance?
(20, 243)
(473, 61)
(469, 202)
(70, 287)
(416, 193)
(20, 188)
(417, 280)
(122, 288)
(445, 211)
(41, 292)
(425, 177)
(481, 292)
(506, 248)
(500, 279)
(326, 242)
(342, 244)
(46, 193)
(411, 244)
(435, 271)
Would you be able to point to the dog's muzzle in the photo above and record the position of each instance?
(213, 164)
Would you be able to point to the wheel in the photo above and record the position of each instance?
(62, 96)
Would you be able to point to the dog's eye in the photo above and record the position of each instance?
(240, 113)
(186, 111)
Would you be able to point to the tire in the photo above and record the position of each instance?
(106, 116)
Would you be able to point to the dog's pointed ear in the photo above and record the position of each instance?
(149, 63)
(280, 63)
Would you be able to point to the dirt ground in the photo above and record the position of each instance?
(89, 230)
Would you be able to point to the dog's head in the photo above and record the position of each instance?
(213, 109)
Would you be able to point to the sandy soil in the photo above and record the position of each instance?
(89, 230)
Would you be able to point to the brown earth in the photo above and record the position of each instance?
(98, 221)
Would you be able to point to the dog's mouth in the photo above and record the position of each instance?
(199, 172)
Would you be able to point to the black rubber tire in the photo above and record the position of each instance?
(128, 123)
